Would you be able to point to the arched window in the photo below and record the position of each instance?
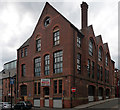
(56, 36)
(100, 54)
(23, 89)
(47, 64)
(106, 60)
(47, 21)
(90, 47)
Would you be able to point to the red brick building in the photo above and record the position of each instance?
(58, 57)
(8, 72)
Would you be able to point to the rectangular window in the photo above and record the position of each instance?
(58, 62)
(55, 87)
(88, 68)
(105, 75)
(38, 87)
(78, 63)
(90, 47)
(101, 71)
(47, 64)
(78, 41)
(25, 51)
(35, 88)
(92, 69)
(22, 54)
(38, 45)
(98, 72)
(60, 86)
(100, 55)
(23, 69)
(56, 37)
(37, 66)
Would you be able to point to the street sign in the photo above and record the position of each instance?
(73, 89)
(11, 81)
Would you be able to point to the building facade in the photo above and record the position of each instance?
(59, 57)
(9, 72)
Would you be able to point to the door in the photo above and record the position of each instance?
(46, 96)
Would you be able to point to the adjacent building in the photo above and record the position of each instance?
(59, 58)
(8, 73)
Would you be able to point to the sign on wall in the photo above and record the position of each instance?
(45, 82)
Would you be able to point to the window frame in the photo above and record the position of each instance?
(37, 67)
(79, 63)
(47, 64)
(23, 70)
(58, 62)
(56, 37)
(38, 45)
(90, 47)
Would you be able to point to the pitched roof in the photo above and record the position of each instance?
(27, 42)
(98, 39)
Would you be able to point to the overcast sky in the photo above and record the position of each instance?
(18, 20)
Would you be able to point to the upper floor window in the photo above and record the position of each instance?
(106, 60)
(78, 40)
(58, 62)
(88, 68)
(100, 54)
(90, 47)
(37, 66)
(38, 45)
(93, 69)
(55, 86)
(98, 72)
(47, 21)
(78, 63)
(56, 37)
(101, 71)
(22, 53)
(47, 64)
(25, 51)
(23, 69)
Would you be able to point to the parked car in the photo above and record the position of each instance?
(6, 105)
(23, 105)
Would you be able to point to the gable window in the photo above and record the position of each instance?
(106, 60)
(25, 51)
(37, 66)
(58, 62)
(56, 37)
(88, 68)
(90, 47)
(23, 69)
(78, 63)
(47, 64)
(100, 54)
(22, 54)
(38, 45)
(78, 40)
(47, 21)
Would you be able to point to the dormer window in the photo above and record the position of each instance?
(106, 60)
(47, 21)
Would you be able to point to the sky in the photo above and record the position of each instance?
(19, 18)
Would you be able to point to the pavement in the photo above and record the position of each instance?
(83, 107)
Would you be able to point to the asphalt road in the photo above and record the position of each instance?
(113, 104)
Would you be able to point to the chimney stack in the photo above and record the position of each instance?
(84, 15)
